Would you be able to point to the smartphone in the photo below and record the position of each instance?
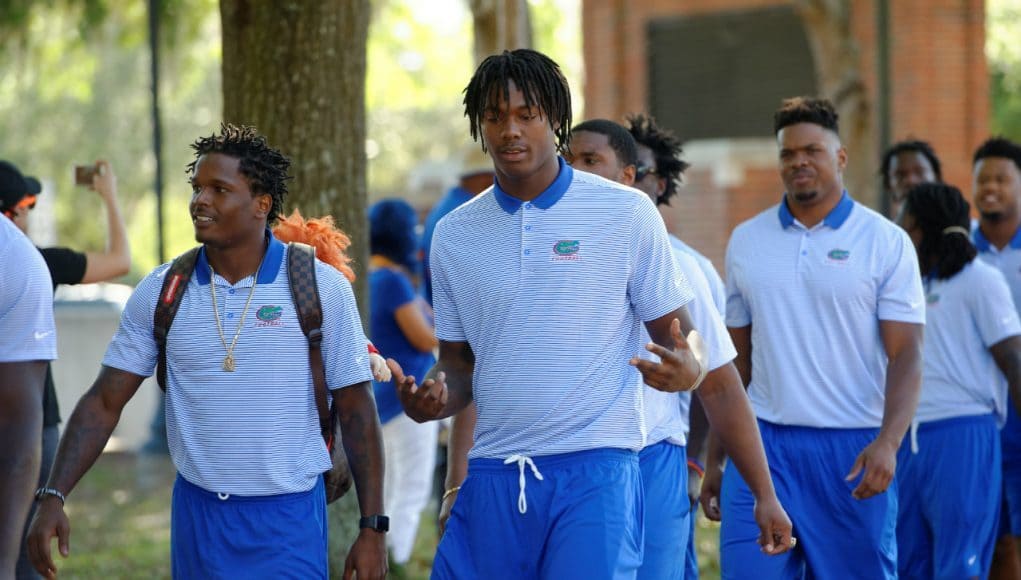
(83, 174)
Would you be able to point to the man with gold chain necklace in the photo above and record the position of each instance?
(242, 424)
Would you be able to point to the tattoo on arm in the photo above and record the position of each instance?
(363, 443)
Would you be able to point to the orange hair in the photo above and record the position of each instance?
(320, 233)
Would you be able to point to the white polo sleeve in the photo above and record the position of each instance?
(345, 350)
(901, 297)
(656, 287)
(992, 306)
(737, 313)
(704, 314)
(445, 313)
(133, 348)
(26, 300)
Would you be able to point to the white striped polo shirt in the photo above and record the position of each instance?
(551, 294)
(254, 431)
(965, 315)
(26, 299)
(716, 286)
(814, 299)
(666, 414)
(1007, 260)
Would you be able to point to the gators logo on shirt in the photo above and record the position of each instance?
(839, 255)
(269, 313)
(566, 250)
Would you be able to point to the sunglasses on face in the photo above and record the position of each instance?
(26, 202)
(641, 171)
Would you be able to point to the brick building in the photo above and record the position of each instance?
(714, 70)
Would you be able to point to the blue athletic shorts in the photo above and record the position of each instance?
(667, 511)
(839, 537)
(583, 519)
(1010, 440)
(276, 536)
(948, 521)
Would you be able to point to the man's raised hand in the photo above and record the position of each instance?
(423, 402)
(680, 369)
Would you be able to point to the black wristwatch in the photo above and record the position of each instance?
(377, 522)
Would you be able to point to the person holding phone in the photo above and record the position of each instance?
(69, 266)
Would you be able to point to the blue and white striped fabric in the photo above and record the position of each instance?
(255, 431)
(814, 299)
(1007, 259)
(716, 285)
(26, 299)
(719, 296)
(666, 414)
(965, 316)
(551, 294)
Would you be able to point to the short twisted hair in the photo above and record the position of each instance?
(908, 146)
(998, 147)
(264, 167)
(806, 110)
(666, 148)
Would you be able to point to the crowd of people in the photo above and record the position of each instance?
(844, 403)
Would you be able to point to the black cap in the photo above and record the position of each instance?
(13, 186)
(34, 186)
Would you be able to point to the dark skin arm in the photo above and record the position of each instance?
(730, 413)
(85, 436)
(716, 456)
(460, 441)
(698, 436)
(446, 389)
(903, 344)
(363, 445)
(1007, 354)
(677, 369)
(21, 427)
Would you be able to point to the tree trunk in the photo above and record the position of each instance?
(500, 25)
(295, 70)
(838, 69)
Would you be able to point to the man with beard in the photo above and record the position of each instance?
(825, 306)
(997, 189)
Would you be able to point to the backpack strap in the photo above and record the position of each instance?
(175, 282)
(301, 274)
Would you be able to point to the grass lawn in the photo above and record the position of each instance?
(120, 525)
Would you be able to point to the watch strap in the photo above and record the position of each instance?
(380, 523)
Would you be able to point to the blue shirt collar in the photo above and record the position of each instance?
(983, 244)
(546, 199)
(267, 271)
(836, 218)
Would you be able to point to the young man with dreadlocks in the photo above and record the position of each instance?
(946, 517)
(905, 165)
(825, 306)
(242, 425)
(540, 285)
(996, 186)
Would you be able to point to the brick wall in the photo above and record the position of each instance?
(939, 92)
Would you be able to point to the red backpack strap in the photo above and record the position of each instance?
(301, 274)
(175, 282)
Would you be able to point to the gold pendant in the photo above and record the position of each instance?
(228, 363)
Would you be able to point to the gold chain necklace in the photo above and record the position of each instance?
(228, 361)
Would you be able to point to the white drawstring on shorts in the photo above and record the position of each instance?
(523, 460)
(914, 436)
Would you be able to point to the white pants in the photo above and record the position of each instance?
(410, 449)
